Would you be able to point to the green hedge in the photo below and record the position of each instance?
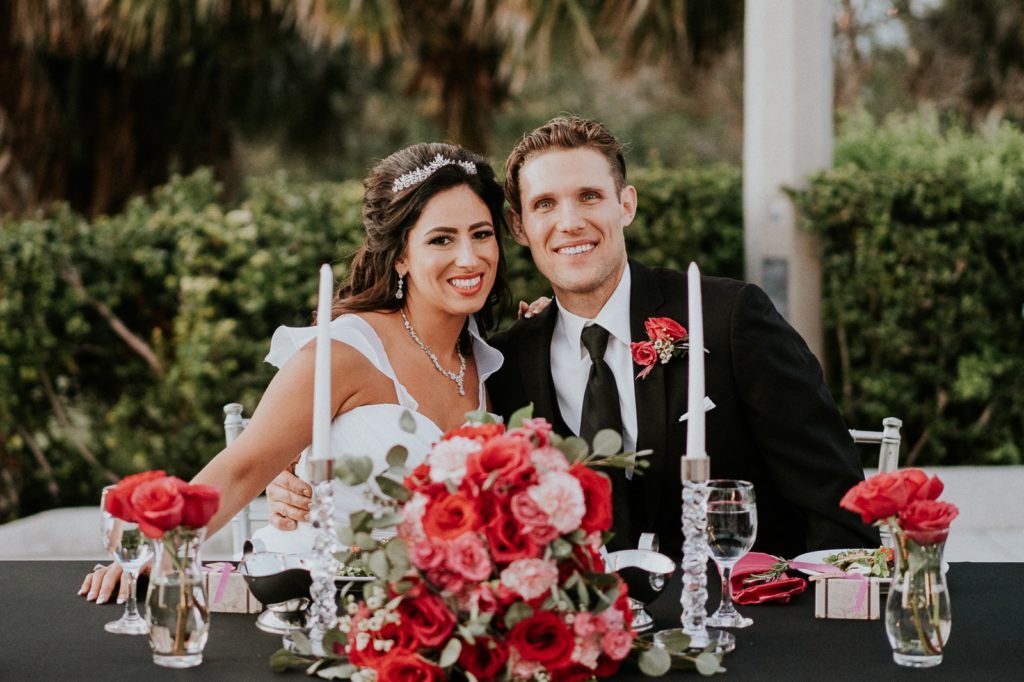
(203, 286)
(923, 294)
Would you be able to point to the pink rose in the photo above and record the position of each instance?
(927, 521)
(533, 518)
(530, 578)
(616, 644)
(426, 553)
(664, 329)
(643, 353)
(467, 556)
(158, 505)
(885, 494)
(547, 458)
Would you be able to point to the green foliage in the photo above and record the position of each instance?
(923, 261)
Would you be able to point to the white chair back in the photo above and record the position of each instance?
(242, 524)
(888, 440)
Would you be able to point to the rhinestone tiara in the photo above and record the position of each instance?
(415, 177)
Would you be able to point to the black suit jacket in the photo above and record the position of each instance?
(774, 422)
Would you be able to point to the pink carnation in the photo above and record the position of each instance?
(549, 459)
(587, 651)
(448, 459)
(530, 578)
(426, 553)
(561, 495)
(616, 644)
(584, 623)
(468, 557)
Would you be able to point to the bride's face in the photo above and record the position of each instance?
(451, 256)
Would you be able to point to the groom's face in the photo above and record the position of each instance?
(572, 220)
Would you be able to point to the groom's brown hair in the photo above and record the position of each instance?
(563, 132)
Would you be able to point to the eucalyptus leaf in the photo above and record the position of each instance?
(516, 612)
(480, 417)
(378, 564)
(357, 521)
(607, 442)
(301, 644)
(385, 520)
(393, 489)
(332, 637)
(397, 456)
(561, 548)
(675, 641)
(575, 449)
(520, 415)
(365, 542)
(654, 662)
(341, 671)
(353, 469)
(708, 663)
(407, 422)
(346, 537)
(396, 550)
(283, 660)
(450, 653)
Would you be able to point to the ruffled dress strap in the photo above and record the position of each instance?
(351, 330)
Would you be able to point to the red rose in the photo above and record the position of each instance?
(477, 432)
(665, 329)
(429, 618)
(543, 638)
(485, 659)
(500, 457)
(573, 673)
(404, 666)
(450, 517)
(606, 667)
(643, 353)
(158, 505)
(201, 503)
(119, 498)
(507, 540)
(597, 495)
(927, 521)
(885, 494)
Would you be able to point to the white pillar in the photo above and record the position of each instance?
(787, 134)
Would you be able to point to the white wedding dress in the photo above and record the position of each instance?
(369, 430)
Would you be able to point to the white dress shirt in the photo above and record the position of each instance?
(570, 362)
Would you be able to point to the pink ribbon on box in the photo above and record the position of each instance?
(225, 569)
(833, 572)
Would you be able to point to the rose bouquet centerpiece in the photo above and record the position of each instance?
(173, 514)
(495, 572)
(917, 609)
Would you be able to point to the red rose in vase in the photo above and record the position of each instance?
(158, 505)
(927, 521)
(885, 494)
(119, 498)
(201, 503)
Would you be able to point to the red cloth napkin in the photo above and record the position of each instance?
(759, 591)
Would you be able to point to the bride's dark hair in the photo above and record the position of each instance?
(388, 216)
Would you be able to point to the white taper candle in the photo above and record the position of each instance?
(695, 401)
(322, 371)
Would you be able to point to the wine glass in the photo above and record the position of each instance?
(732, 527)
(130, 548)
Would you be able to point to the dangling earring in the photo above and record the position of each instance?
(400, 294)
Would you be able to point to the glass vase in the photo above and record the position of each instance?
(176, 603)
(917, 615)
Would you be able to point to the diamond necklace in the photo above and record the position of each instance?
(457, 378)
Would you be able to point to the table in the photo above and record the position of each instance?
(48, 632)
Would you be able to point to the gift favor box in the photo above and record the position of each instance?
(227, 590)
(850, 598)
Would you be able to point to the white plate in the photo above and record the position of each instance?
(818, 557)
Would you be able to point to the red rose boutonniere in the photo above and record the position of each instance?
(666, 339)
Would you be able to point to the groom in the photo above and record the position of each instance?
(773, 422)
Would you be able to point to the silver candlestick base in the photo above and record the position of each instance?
(323, 609)
(694, 596)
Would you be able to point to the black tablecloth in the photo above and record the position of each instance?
(47, 632)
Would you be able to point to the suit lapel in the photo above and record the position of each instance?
(657, 394)
(535, 369)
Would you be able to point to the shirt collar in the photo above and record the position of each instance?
(614, 317)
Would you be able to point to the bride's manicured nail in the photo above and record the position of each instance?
(91, 596)
(120, 599)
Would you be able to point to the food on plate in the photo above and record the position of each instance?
(870, 562)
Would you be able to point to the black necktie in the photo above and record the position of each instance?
(601, 399)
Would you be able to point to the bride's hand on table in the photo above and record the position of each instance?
(289, 498)
(101, 583)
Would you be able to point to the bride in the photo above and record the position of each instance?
(404, 333)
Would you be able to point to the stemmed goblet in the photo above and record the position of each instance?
(130, 548)
(732, 527)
